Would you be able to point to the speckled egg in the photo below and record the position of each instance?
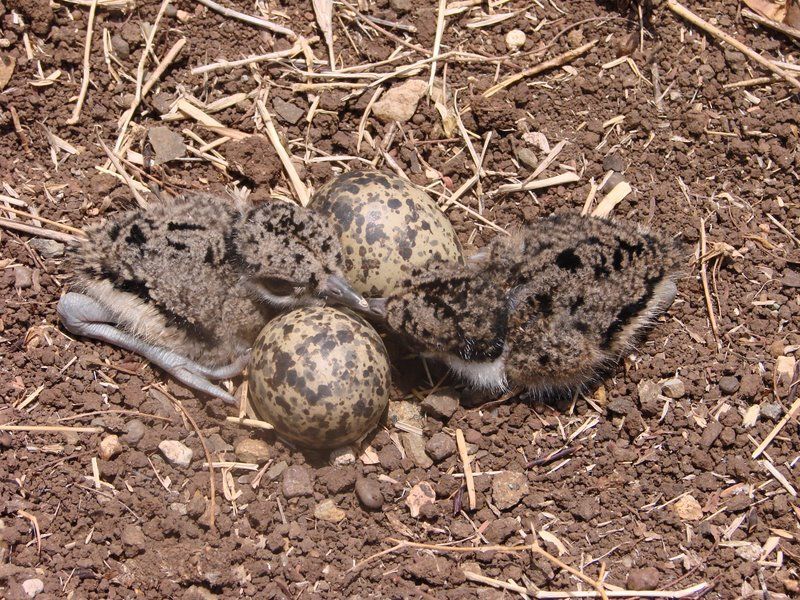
(320, 376)
(389, 226)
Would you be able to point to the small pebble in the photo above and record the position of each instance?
(167, 144)
(23, 277)
(414, 446)
(508, 488)
(750, 386)
(440, 446)
(710, 434)
(729, 385)
(48, 248)
(515, 39)
(399, 102)
(133, 539)
(644, 579)
(369, 493)
(134, 432)
(772, 410)
(121, 48)
(297, 482)
(499, 530)
(288, 112)
(614, 162)
(176, 453)
(587, 509)
(328, 511)
(32, 587)
(673, 388)
(252, 451)
(343, 456)
(110, 447)
(441, 404)
(276, 470)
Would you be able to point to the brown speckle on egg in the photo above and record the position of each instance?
(389, 226)
(320, 376)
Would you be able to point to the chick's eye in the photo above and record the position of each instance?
(278, 286)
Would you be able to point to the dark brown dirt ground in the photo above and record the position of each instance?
(727, 157)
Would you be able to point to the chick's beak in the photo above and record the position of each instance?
(336, 289)
(377, 307)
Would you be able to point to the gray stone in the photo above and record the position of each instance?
(121, 48)
(614, 162)
(728, 385)
(48, 248)
(297, 482)
(167, 144)
(290, 113)
(441, 404)
(440, 446)
(508, 488)
(23, 277)
(276, 470)
(673, 388)
(176, 453)
(134, 432)
(772, 410)
(369, 493)
(252, 451)
(414, 446)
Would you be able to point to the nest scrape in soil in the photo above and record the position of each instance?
(656, 481)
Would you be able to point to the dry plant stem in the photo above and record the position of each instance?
(257, 21)
(685, 13)
(212, 509)
(786, 30)
(137, 97)
(124, 174)
(39, 231)
(87, 50)
(163, 65)
(34, 522)
(704, 278)
(51, 428)
(22, 213)
(250, 422)
(437, 42)
(462, 451)
(750, 82)
(559, 60)
(225, 64)
(23, 138)
(299, 187)
(793, 411)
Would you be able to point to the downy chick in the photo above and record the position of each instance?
(559, 303)
(189, 283)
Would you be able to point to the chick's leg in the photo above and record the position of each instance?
(84, 316)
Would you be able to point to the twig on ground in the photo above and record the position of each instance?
(230, 64)
(22, 213)
(715, 31)
(795, 408)
(51, 428)
(559, 60)
(437, 42)
(123, 173)
(785, 29)
(537, 184)
(23, 137)
(704, 278)
(212, 504)
(299, 187)
(250, 422)
(257, 21)
(87, 50)
(39, 231)
(470, 480)
(35, 524)
(165, 62)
